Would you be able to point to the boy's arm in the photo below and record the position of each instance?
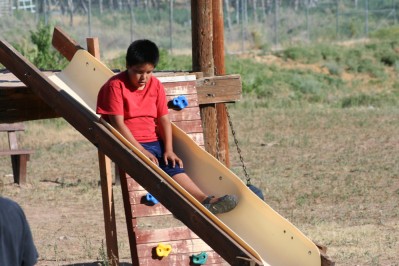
(118, 123)
(165, 128)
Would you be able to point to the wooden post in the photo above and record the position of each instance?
(108, 208)
(201, 15)
(218, 58)
(202, 54)
(104, 162)
(93, 47)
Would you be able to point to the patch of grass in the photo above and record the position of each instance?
(334, 68)
(388, 33)
(285, 87)
(301, 54)
(366, 100)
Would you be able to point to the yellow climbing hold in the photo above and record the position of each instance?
(163, 250)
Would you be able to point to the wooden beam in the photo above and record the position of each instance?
(219, 89)
(19, 104)
(87, 124)
(64, 44)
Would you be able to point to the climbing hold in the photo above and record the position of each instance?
(151, 198)
(163, 250)
(180, 102)
(200, 259)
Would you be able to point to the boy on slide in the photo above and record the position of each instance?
(134, 103)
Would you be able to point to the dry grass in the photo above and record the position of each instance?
(333, 172)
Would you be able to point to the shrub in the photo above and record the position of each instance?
(44, 55)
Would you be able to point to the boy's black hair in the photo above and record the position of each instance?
(142, 52)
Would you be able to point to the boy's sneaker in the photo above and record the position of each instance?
(222, 204)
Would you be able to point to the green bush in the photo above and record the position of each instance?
(41, 54)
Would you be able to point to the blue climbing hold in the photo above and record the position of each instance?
(200, 259)
(180, 102)
(151, 198)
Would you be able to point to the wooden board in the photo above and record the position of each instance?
(261, 231)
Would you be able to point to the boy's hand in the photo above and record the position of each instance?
(151, 156)
(172, 157)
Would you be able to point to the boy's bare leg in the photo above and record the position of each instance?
(188, 184)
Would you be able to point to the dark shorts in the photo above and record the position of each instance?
(157, 149)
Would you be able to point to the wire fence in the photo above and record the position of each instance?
(249, 24)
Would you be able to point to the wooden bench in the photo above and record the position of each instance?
(19, 157)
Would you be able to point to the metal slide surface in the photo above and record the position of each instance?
(260, 230)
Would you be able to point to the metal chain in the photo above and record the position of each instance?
(217, 142)
(238, 148)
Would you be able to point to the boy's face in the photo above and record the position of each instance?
(139, 75)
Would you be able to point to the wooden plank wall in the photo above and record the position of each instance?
(183, 241)
(189, 118)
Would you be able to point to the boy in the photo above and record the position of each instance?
(134, 103)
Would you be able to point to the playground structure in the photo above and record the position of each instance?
(261, 239)
(226, 243)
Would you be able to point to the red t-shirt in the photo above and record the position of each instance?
(139, 108)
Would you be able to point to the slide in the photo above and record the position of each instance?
(260, 230)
